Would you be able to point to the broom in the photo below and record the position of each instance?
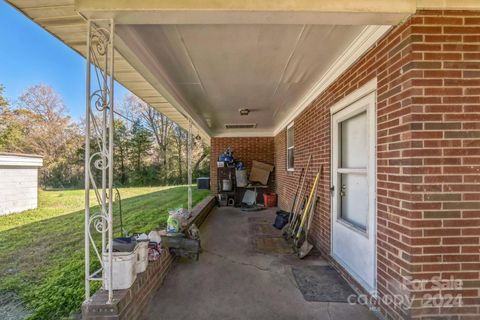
(291, 226)
(305, 212)
(307, 246)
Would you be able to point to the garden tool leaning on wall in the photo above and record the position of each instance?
(297, 206)
(305, 215)
(307, 246)
(294, 200)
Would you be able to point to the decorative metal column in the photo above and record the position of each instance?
(99, 131)
(189, 165)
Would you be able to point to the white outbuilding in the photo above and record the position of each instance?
(18, 182)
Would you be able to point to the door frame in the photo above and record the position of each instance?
(366, 92)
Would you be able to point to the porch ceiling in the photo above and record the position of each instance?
(215, 71)
(212, 58)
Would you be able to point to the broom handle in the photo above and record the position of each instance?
(294, 200)
(295, 209)
(312, 211)
(304, 216)
(297, 206)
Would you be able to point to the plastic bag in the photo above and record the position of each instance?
(173, 223)
(177, 219)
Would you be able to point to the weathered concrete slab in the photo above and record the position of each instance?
(231, 281)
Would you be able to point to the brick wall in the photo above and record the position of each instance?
(245, 149)
(445, 155)
(428, 157)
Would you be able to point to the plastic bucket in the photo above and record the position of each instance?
(281, 220)
(124, 268)
(227, 185)
(142, 257)
(270, 200)
(241, 177)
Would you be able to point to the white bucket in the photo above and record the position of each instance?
(124, 269)
(142, 256)
(227, 185)
(241, 177)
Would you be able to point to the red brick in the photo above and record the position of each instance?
(443, 20)
(461, 30)
(443, 38)
(462, 47)
(426, 29)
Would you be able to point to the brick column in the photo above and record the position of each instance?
(444, 157)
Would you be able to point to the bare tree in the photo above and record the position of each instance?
(180, 137)
(202, 151)
(46, 103)
(3, 101)
(170, 141)
(157, 122)
(49, 131)
(160, 126)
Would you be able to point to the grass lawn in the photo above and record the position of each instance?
(41, 250)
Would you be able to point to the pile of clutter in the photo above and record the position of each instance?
(228, 183)
(132, 254)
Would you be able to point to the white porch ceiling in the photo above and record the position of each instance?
(214, 70)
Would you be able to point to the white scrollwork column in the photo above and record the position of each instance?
(99, 131)
(190, 165)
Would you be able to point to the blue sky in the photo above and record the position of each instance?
(30, 55)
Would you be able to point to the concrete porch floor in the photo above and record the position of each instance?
(231, 281)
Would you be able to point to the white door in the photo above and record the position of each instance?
(353, 192)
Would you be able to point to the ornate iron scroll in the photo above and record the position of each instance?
(99, 131)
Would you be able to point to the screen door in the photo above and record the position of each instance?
(353, 190)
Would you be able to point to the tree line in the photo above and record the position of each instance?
(149, 148)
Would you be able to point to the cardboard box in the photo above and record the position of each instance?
(260, 172)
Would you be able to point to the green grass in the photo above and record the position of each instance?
(41, 250)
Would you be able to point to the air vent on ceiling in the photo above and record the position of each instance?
(241, 125)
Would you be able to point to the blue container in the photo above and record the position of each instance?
(225, 158)
(240, 165)
(281, 220)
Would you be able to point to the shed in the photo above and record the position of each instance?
(18, 182)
